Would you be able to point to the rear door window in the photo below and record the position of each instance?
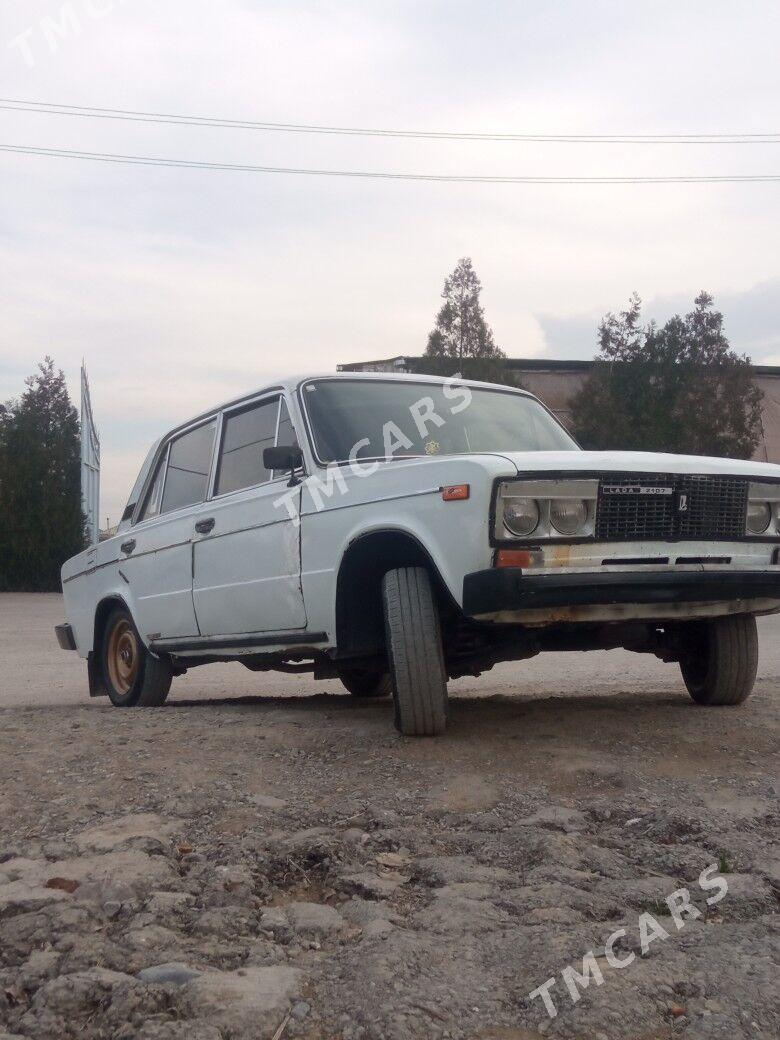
(189, 463)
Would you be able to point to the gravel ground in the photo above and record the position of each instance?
(264, 857)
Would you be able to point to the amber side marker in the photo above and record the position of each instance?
(456, 493)
(513, 558)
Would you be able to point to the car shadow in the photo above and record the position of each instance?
(460, 706)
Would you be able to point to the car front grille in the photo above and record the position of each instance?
(653, 506)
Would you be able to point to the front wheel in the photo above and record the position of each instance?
(414, 652)
(133, 677)
(720, 660)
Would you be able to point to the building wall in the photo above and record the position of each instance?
(556, 383)
(555, 389)
(770, 386)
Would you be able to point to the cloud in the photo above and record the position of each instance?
(751, 321)
(182, 288)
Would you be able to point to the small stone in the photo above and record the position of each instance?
(274, 920)
(245, 1005)
(111, 835)
(556, 817)
(300, 1010)
(172, 974)
(112, 908)
(267, 801)
(377, 929)
(391, 860)
(18, 897)
(314, 918)
(371, 886)
(63, 884)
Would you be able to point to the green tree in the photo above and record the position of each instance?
(679, 387)
(461, 340)
(40, 490)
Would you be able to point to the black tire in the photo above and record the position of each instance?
(133, 677)
(365, 682)
(414, 652)
(720, 662)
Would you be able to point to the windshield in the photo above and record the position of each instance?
(370, 419)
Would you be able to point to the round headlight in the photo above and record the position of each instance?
(759, 517)
(568, 515)
(521, 516)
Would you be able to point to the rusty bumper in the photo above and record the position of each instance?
(502, 589)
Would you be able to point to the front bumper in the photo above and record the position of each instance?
(65, 637)
(508, 590)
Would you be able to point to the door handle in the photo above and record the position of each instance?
(205, 526)
(127, 547)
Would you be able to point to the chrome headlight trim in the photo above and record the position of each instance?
(545, 492)
(767, 495)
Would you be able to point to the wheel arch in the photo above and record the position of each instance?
(102, 612)
(368, 557)
(97, 684)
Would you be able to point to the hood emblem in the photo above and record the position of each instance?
(634, 489)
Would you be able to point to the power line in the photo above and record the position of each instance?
(88, 112)
(191, 164)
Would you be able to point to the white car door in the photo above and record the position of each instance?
(156, 553)
(246, 553)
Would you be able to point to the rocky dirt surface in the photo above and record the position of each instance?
(285, 866)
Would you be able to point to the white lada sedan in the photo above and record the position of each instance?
(399, 531)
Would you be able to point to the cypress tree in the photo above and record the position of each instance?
(40, 484)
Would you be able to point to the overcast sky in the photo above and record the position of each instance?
(182, 287)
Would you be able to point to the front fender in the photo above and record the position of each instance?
(403, 497)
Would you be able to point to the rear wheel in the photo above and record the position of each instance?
(133, 677)
(720, 660)
(366, 682)
(414, 652)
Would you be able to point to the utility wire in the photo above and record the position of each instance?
(145, 160)
(88, 112)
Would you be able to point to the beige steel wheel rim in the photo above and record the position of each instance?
(122, 657)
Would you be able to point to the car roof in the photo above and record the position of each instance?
(291, 384)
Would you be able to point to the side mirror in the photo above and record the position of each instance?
(285, 458)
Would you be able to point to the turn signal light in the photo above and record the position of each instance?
(513, 558)
(456, 493)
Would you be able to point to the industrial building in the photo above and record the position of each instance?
(556, 382)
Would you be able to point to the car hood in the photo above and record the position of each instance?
(635, 462)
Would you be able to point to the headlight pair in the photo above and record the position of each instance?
(522, 516)
(546, 509)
